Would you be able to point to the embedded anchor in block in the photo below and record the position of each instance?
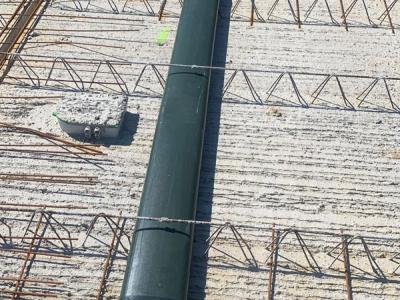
(243, 245)
(92, 116)
(277, 241)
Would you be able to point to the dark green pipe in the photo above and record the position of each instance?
(159, 259)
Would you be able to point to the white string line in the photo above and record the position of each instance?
(247, 225)
(203, 67)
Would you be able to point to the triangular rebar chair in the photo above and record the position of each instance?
(3, 21)
(113, 225)
(395, 259)
(351, 6)
(277, 241)
(386, 12)
(243, 245)
(117, 77)
(249, 84)
(32, 75)
(52, 223)
(111, 3)
(75, 78)
(147, 5)
(322, 86)
(156, 72)
(254, 11)
(4, 237)
(311, 9)
(364, 94)
(378, 273)
(162, 8)
(272, 88)
(275, 4)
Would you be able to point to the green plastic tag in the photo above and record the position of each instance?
(162, 36)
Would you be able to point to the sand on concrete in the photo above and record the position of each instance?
(322, 169)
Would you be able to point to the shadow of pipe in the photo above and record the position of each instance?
(199, 265)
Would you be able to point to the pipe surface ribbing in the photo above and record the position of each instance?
(159, 260)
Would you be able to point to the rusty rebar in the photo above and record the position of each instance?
(48, 281)
(271, 265)
(36, 206)
(161, 11)
(78, 180)
(31, 97)
(298, 13)
(343, 15)
(34, 151)
(50, 137)
(2, 221)
(394, 259)
(41, 145)
(388, 16)
(44, 238)
(23, 293)
(239, 238)
(252, 12)
(312, 263)
(37, 253)
(15, 30)
(27, 258)
(108, 259)
(109, 220)
(346, 263)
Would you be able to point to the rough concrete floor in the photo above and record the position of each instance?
(320, 169)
